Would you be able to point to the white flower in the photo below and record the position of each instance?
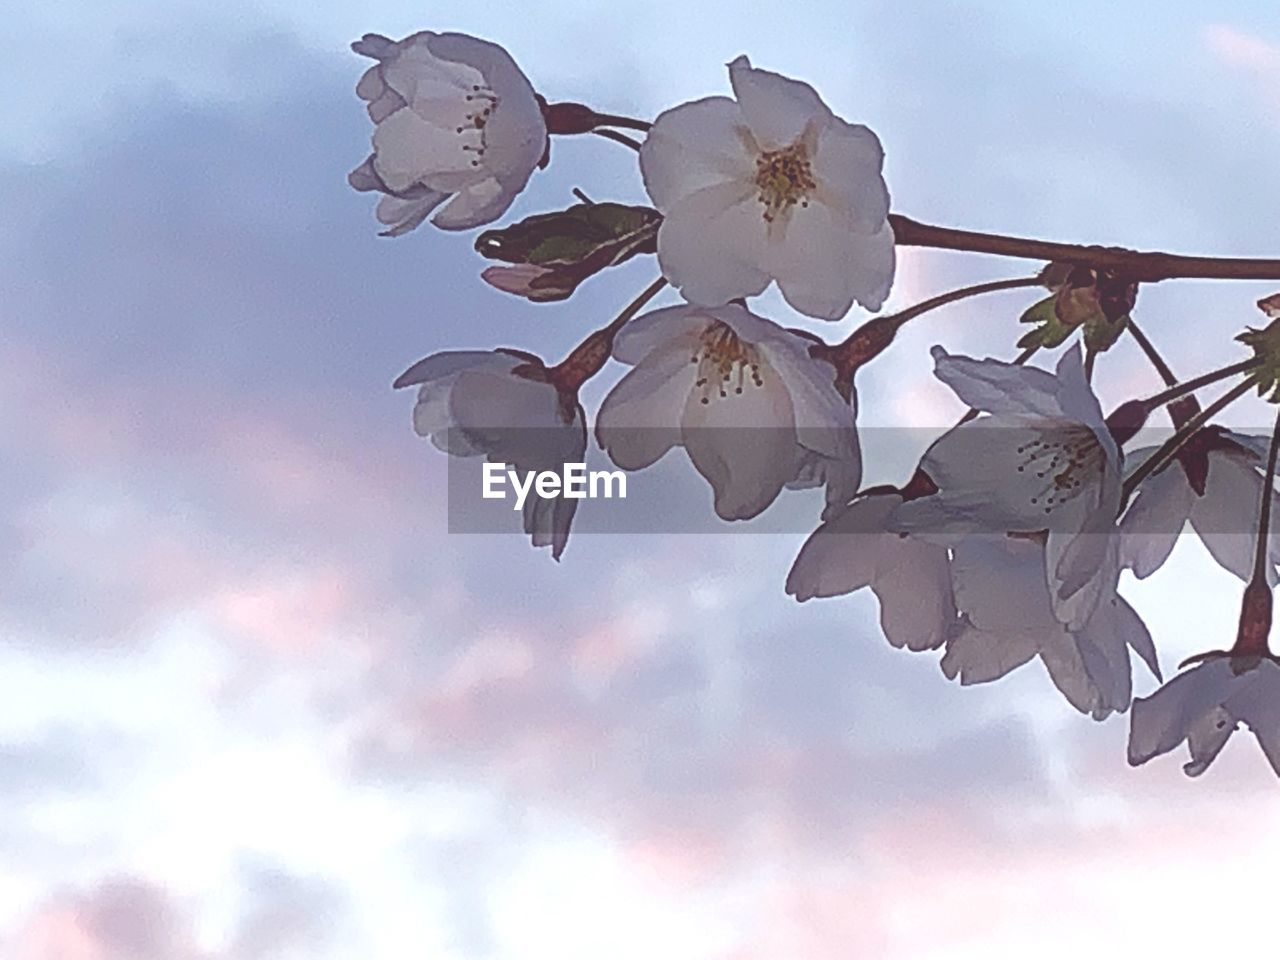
(454, 117)
(754, 411)
(1041, 460)
(1216, 485)
(1203, 707)
(1007, 619)
(909, 577)
(498, 405)
(770, 186)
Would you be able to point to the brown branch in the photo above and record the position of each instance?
(1141, 266)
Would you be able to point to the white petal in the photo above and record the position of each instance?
(847, 167)
(514, 420)
(1082, 567)
(1256, 701)
(981, 488)
(776, 108)
(375, 46)
(694, 146)
(408, 149)
(476, 205)
(1226, 517)
(910, 579)
(744, 445)
(913, 585)
(979, 656)
(659, 329)
(843, 554)
(1206, 738)
(997, 387)
(825, 421)
(450, 362)
(547, 520)
(872, 268)
(1150, 527)
(404, 214)
(1064, 659)
(1104, 651)
(1115, 617)
(822, 264)
(711, 245)
(1000, 585)
(639, 420)
(1160, 722)
(515, 136)
(417, 72)
(1075, 396)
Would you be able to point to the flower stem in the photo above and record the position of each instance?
(877, 333)
(1195, 383)
(1170, 447)
(588, 357)
(1153, 355)
(627, 123)
(1255, 607)
(1140, 266)
(617, 137)
(1264, 511)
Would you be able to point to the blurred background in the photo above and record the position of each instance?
(258, 704)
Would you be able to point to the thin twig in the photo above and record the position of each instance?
(617, 137)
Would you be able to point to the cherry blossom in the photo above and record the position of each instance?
(1204, 706)
(1040, 460)
(770, 185)
(753, 410)
(499, 404)
(909, 577)
(1215, 485)
(454, 118)
(1007, 619)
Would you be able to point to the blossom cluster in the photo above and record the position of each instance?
(1008, 542)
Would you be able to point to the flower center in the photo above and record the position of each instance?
(481, 102)
(724, 362)
(1066, 458)
(785, 178)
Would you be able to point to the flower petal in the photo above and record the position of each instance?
(405, 214)
(659, 329)
(547, 519)
(843, 554)
(997, 387)
(910, 579)
(776, 108)
(1226, 517)
(1160, 722)
(823, 265)
(744, 445)
(1000, 585)
(693, 146)
(980, 656)
(1257, 703)
(408, 149)
(476, 205)
(711, 245)
(1206, 738)
(1150, 527)
(639, 420)
(981, 488)
(847, 168)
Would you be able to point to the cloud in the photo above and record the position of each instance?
(196, 429)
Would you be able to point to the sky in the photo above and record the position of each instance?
(259, 703)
